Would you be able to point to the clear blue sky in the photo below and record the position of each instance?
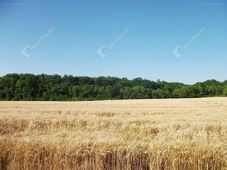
(78, 28)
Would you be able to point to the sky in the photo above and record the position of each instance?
(174, 41)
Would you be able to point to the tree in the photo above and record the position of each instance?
(86, 92)
(225, 91)
(55, 87)
(109, 92)
(74, 92)
(176, 93)
(139, 92)
(126, 93)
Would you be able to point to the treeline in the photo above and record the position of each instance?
(69, 88)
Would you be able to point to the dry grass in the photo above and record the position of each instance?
(170, 134)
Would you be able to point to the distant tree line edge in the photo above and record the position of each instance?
(29, 87)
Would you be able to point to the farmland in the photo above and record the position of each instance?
(170, 134)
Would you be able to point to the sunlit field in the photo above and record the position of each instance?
(156, 134)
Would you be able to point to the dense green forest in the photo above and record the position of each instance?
(69, 88)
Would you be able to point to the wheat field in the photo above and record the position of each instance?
(156, 134)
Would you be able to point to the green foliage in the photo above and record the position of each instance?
(225, 92)
(64, 88)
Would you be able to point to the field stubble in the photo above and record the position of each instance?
(170, 134)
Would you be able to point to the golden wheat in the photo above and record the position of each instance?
(170, 134)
